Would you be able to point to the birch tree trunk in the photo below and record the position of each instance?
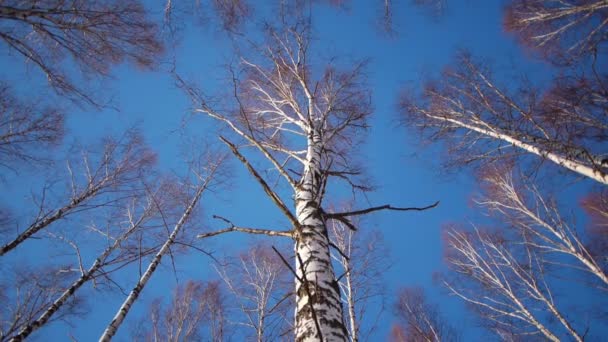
(565, 124)
(306, 126)
(318, 293)
(143, 280)
(85, 277)
(118, 167)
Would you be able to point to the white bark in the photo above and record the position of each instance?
(57, 215)
(257, 279)
(85, 277)
(278, 105)
(541, 219)
(322, 309)
(118, 166)
(143, 280)
(350, 301)
(498, 272)
(572, 165)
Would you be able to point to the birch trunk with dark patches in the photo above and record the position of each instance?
(68, 293)
(57, 215)
(143, 280)
(305, 127)
(323, 307)
(486, 121)
(57, 304)
(120, 165)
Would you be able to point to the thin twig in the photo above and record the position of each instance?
(339, 250)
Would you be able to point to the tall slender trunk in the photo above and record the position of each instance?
(143, 280)
(69, 292)
(350, 298)
(58, 214)
(318, 304)
(572, 165)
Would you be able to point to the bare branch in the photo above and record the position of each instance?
(134, 294)
(234, 228)
(382, 207)
(564, 31)
(273, 196)
(94, 35)
(120, 164)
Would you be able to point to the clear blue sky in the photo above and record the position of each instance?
(405, 173)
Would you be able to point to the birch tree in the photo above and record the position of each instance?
(204, 181)
(261, 292)
(23, 126)
(92, 35)
(563, 122)
(510, 293)
(304, 122)
(196, 312)
(362, 259)
(419, 320)
(596, 206)
(520, 203)
(26, 292)
(511, 275)
(122, 249)
(562, 30)
(487, 122)
(105, 177)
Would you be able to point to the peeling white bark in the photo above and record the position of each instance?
(315, 268)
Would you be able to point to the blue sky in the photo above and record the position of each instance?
(405, 173)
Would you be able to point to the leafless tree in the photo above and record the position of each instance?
(363, 260)
(596, 206)
(197, 309)
(24, 126)
(509, 276)
(99, 180)
(227, 16)
(232, 12)
(538, 218)
(124, 246)
(565, 29)
(92, 35)
(28, 292)
(204, 179)
(397, 333)
(420, 320)
(262, 290)
(485, 122)
(305, 123)
(506, 286)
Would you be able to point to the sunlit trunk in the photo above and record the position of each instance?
(59, 302)
(350, 299)
(572, 165)
(318, 304)
(143, 280)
